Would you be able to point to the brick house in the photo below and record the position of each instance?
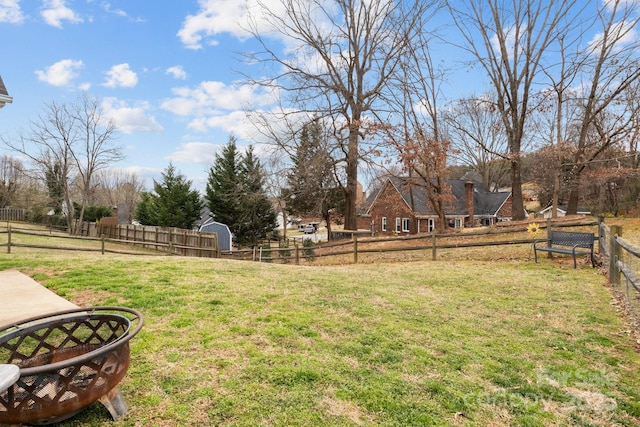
(388, 211)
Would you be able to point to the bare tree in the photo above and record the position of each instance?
(419, 139)
(10, 175)
(119, 188)
(509, 39)
(478, 139)
(606, 70)
(339, 59)
(74, 140)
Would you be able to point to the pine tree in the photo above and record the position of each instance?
(174, 203)
(312, 189)
(223, 185)
(236, 197)
(258, 217)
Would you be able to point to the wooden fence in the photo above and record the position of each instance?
(12, 214)
(176, 241)
(168, 240)
(432, 244)
(623, 261)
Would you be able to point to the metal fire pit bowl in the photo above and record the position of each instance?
(67, 360)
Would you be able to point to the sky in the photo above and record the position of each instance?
(167, 72)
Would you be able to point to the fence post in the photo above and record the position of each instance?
(9, 241)
(102, 242)
(433, 245)
(355, 248)
(297, 252)
(549, 254)
(614, 271)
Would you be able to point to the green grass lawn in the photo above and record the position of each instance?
(476, 343)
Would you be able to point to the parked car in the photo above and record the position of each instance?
(310, 229)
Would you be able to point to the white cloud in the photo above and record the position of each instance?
(621, 33)
(106, 6)
(211, 96)
(121, 76)
(61, 73)
(55, 11)
(177, 72)
(621, 4)
(10, 12)
(131, 119)
(223, 16)
(195, 152)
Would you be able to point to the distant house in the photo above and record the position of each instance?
(4, 95)
(562, 211)
(399, 207)
(225, 237)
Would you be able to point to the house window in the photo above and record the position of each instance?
(405, 224)
(458, 222)
(398, 225)
(431, 225)
(384, 223)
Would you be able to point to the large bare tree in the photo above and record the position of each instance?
(339, 57)
(118, 188)
(510, 40)
(478, 139)
(606, 70)
(74, 140)
(419, 139)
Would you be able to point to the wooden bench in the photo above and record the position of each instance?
(568, 243)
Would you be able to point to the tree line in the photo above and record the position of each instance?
(362, 92)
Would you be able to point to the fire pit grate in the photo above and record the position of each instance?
(67, 361)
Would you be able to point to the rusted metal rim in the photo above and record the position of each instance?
(37, 322)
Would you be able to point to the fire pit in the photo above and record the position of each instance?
(67, 360)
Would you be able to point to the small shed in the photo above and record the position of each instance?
(224, 234)
(562, 211)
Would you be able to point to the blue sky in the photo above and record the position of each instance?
(165, 70)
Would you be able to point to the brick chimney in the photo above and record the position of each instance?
(468, 200)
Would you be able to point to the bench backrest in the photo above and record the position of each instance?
(572, 238)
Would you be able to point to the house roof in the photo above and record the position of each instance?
(4, 95)
(486, 203)
(563, 209)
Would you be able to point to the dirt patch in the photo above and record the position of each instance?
(89, 298)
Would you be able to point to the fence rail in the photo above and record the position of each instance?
(623, 262)
(169, 245)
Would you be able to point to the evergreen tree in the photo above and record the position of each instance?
(223, 186)
(257, 215)
(145, 209)
(236, 197)
(54, 181)
(312, 189)
(174, 203)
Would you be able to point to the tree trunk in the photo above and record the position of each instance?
(556, 195)
(351, 192)
(517, 205)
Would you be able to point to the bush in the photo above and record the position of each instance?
(308, 251)
(286, 255)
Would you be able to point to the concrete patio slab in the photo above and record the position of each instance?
(22, 297)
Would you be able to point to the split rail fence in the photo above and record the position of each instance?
(623, 262)
(172, 241)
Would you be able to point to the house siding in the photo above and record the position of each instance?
(390, 205)
(469, 209)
